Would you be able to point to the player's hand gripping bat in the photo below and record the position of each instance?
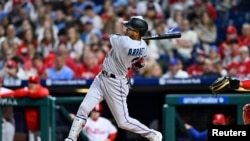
(163, 36)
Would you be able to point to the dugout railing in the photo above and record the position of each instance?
(171, 116)
(48, 108)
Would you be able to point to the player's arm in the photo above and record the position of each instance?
(196, 134)
(112, 132)
(18, 93)
(41, 92)
(112, 137)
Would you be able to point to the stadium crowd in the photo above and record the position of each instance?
(69, 39)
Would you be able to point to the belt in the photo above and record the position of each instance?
(107, 74)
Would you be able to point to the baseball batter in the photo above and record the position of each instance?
(111, 84)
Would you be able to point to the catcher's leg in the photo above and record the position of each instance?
(92, 98)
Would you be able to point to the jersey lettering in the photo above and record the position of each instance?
(135, 51)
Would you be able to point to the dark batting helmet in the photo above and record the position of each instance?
(137, 23)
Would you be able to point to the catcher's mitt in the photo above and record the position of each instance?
(220, 84)
(246, 114)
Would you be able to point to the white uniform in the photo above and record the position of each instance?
(114, 91)
(8, 129)
(98, 130)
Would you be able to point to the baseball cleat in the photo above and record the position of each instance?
(68, 139)
(157, 137)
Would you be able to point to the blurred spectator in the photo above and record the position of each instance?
(225, 6)
(209, 70)
(218, 66)
(2, 33)
(245, 38)
(2, 12)
(174, 21)
(88, 29)
(68, 7)
(8, 124)
(39, 66)
(11, 39)
(232, 52)
(89, 13)
(152, 69)
(197, 69)
(165, 47)
(29, 39)
(32, 114)
(175, 70)
(218, 119)
(206, 31)
(62, 49)
(231, 37)
(142, 7)
(60, 22)
(48, 43)
(150, 15)
(60, 71)
(213, 54)
(47, 23)
(240, 67)
(79, 7)
(89, 66)
(12, 71)
(108, 21)
(182, 5)
(74, 43)
(38, 5)
(185, 44)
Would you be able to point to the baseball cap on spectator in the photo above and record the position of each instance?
(87, 21)
(201, 52)
(34, 79)
(231, 29)
(150, 6)
(88, 7)
(11, 64)
(16, 2)
(105, 16)
(244, 49)
(105, 36)
(219, 119)
(173, 62)
(214, 47)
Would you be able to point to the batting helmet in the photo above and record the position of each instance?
(246, 114)
(137, 23)
(219, 119)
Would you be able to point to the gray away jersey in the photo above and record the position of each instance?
(124, 52)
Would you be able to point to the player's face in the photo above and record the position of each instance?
(131, 33)
(95, 115)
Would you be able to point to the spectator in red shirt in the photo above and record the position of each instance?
(245, 37)
(32, 114)
(197, 69)
(89, 66)
(39, 66)
(29, 38)
(240, 67)
(231, 35)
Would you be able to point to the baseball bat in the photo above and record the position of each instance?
(163, 36)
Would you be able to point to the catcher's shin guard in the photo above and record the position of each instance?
(76, 128)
